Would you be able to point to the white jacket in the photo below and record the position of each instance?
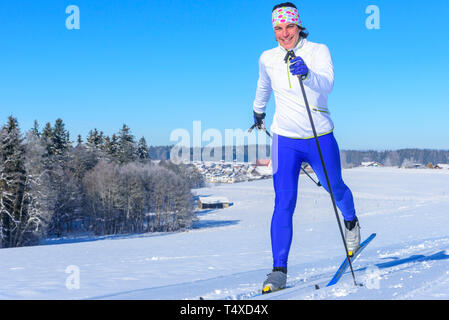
(290, 118)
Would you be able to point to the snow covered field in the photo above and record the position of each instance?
(227, 255)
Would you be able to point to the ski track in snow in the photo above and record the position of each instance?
(227, 254)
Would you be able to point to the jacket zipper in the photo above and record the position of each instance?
(288, 74)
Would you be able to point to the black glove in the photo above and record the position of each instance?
(259, 120)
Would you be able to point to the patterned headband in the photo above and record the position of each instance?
(286, 15)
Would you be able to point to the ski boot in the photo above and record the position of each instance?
(352, 236)
(276, 280)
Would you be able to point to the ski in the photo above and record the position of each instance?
(345, 265)
(340, 272)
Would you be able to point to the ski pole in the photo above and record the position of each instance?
(302, 168)
(290, 56)
(307, 174)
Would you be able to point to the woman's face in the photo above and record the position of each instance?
(287, 35)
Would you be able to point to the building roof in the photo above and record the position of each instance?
(211, 200)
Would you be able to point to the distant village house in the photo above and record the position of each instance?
(213, 203)
(371, 164)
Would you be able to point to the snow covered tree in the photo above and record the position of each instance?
(12, 182)
(57, 138)
(392, 159)
(68, 197)
(137, 197)
(95, 140)
(142, 149)
(61, 177)
(35, 129)
(188, 172)
(61, 138)
(50, 188)
(126, 145)
(111, 146)
(47, 136)
(79, 141)
(101, 185)
(38, 194)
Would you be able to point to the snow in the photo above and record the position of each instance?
(228, 253)
(213, 200)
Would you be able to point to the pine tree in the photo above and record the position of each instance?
(35, 129)
(111, 146)
(57, 138)
(61, 138)
(126, 145)
(47, 135)
(142, 149)
(39, 195)
(79, 141)
(100, 142)
(12, 182)
(95, 140)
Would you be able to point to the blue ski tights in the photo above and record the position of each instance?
(287, 156)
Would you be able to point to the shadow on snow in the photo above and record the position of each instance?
(414, 258)
(213, 223)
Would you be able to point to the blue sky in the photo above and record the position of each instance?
(160, 65)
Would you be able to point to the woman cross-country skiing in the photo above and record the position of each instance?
(293, 138)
